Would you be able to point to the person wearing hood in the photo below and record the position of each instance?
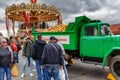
(37, 50)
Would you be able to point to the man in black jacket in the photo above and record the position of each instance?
(52, 59)
(37, 50)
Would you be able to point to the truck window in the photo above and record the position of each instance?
(91, 31)
(105, 30)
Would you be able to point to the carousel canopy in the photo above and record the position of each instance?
(36, 12)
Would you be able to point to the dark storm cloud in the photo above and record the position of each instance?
(66, 6)
(69, 7)
(91, 6)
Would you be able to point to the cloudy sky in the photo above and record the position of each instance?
(105, 10)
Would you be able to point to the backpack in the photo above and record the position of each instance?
(18, 46)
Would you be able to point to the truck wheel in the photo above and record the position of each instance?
(115, 67)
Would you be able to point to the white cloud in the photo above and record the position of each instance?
(101, 14)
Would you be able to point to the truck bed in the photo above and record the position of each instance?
(70, 37)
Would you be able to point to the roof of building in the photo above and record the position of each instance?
(115, 28)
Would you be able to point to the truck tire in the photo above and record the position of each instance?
(115, 67)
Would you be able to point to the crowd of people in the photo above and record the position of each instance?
(48, 57)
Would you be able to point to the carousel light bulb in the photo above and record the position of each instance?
(17, 12)
(8, 13)
(39, 12)
(49, 13)
(56, 15)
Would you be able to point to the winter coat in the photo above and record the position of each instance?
(5, 57)
(18, 45)
(51, 55)
(14, 47)
(37, 49)
(27, 49)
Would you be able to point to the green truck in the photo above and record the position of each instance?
(91, 41)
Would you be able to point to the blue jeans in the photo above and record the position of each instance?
(51, 71)
(6, 70)
(39, 71)
(16, 57)
(25, 64)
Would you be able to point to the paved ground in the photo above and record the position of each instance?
(82, 71)
(78, 71)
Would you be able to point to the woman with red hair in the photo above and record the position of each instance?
(15, 50)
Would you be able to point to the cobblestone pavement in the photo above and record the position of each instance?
(77, 71)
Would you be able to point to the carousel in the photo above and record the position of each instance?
(40, 16)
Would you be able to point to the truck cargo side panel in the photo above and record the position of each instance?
(68, 39)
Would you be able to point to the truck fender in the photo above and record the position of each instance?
(107, 54)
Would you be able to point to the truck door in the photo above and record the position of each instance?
(91, 45)
(109, 41)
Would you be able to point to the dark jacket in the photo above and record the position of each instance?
(5, 57)
(51, 55)
(17, 43)
(37, 49)
(27, 49)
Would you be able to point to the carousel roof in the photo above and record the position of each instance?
(37, 12)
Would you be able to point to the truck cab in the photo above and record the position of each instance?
(95, 38)
(99, 45)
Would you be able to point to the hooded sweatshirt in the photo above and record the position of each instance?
(37, 49)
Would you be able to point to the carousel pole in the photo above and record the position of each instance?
(13, 27)
(7, 25)
(26, 21)
(59, 19)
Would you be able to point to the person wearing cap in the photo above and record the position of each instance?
(6, 58)
(52, 59)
